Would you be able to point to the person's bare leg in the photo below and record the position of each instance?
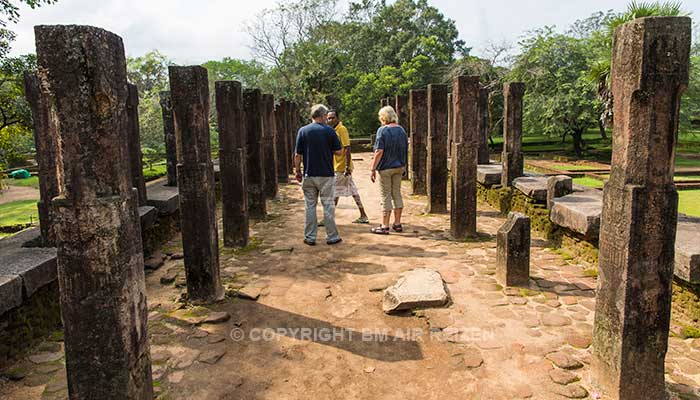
(397, 216)
(358, 201)
(386, 220)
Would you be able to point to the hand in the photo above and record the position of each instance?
(347, 172)
(299, 177)
(373, 177)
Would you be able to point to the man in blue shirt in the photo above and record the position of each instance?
(315, 145)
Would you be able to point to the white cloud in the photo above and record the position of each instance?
(195, 31)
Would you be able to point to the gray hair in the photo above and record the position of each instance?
(387, 115)
(318, 110)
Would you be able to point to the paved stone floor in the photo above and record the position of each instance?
(316, 330)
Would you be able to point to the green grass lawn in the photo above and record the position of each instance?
(154, 173)
(29, 182)
(587, 181)
(687, 162)
(689, 202)
(18, 212)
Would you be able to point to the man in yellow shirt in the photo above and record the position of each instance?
(344, 184)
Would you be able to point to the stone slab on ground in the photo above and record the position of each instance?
(534, 187)
(489, 174)
(687, 259)
(419, 288)
(164, 198)
(579, 212)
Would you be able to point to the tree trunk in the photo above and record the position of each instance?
(578, 142)
(601, 127)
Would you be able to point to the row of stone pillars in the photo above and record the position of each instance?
(638, 223)
(91, 183)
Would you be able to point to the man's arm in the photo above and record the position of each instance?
(348, 159)
(297, 166)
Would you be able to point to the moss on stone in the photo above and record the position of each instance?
(688, 332)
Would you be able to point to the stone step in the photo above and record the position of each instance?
(489, 174)
(580, 212)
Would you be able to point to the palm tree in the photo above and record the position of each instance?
(599, 73)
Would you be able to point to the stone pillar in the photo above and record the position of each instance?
(100, 254)
(47, 154)
(169, 133)
(436, 174)
(269, 148)
(293, 129)
(558, 186)
(512, 158)
(638, 222)
(483, 127)
(134, 144)
(234, 198)
(450, 124)
(418, 126)
(513, 251)
(401, 108)
(282, 143)
(255, 174)
(195, 180)
(465, 98)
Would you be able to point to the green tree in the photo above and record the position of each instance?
(149, 73)
(16, 138)
(559, 100)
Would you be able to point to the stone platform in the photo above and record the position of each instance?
(688, 249)
(534, 187)
(164, 198)
(489, 174)
(579, 212)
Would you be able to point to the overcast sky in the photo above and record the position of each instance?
(191, 32)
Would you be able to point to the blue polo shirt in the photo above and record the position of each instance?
(393, 140)
(316, 143)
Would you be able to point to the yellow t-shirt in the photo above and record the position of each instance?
(344, 137)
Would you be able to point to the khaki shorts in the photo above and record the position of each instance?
(390, 184)
(345, 186)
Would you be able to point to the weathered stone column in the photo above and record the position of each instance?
(512, 158)
(134, 144)
(418, 110)
(450, 125)
(100, 255)
(465, 97)
(234, 198)
(638, 224)
(47, 154)
(195, 181)
(269, 148)
(513, 250)
(253, 108)
(169, 133)
(483, 127)
(401, 108)
(436, 174)
(282, 143)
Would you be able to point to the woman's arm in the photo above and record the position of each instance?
(377, 158)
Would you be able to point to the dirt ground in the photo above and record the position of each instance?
(317, 330)
(9, 194)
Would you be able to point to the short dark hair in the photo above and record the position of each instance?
(334, 111)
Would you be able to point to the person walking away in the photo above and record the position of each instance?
(316, 144)
(390, 156)
(344, 184)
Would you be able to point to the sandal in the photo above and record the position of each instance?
(379, 230)
(397, 228)
(361, 221)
